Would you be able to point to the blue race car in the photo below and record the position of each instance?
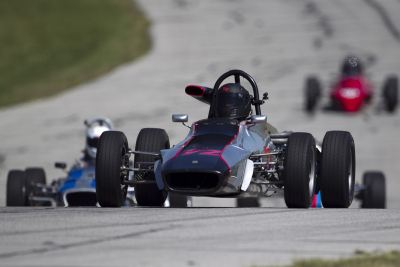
(78, 188)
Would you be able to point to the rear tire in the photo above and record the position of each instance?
(312, 92)
(16, 196)
(337, 170)
(374, 196)
(250, 202)
(300, 170)
(110, 157)
(150, 140)
(390, 93)
(177, 201)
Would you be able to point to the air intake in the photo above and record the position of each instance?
(192, 181)
(201, 93)
(195, 90)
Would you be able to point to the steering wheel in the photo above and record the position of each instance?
(237, 74)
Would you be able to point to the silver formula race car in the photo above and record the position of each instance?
(230, 154)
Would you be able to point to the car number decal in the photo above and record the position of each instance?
(205, 152)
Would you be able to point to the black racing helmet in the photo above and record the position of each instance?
(352, 66)
(232, 101)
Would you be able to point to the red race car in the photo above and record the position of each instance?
(351, 90)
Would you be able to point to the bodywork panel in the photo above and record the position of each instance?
(79, 184)
(212, 159)
(350, 92)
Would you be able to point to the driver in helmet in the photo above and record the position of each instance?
(352, 66)
(93, 131)
(233, 101)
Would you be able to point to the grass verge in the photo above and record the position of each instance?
(388, 259)
(47, 46)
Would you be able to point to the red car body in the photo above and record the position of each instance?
(351, 92)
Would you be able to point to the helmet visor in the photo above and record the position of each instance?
(93, 142)
(230, 99)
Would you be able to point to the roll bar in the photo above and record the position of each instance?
(237, 73)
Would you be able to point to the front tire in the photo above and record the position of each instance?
(110, 157)
(149, 140)
(16, 196)
(374, 196)
(337, 170)
(300, 170)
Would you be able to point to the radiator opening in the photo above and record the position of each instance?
(192, 180)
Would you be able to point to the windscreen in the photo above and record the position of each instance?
(209, 141)
(93, 142)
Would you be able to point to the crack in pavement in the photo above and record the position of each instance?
(323, 22)
(79, 244)
(385, 18)
(140, 224)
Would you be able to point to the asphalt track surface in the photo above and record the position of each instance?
(279, 43)
(189, 237)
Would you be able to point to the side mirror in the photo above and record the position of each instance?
(60, 165)
(180, 118)
(259, 118)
